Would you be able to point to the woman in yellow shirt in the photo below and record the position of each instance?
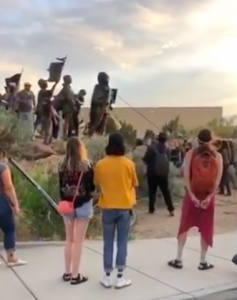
(115, 175)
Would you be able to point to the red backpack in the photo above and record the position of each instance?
(204, 170)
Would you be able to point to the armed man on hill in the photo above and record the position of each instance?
(65, 101)
(99, 104)
(25, 107)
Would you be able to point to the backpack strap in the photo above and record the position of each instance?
(78, 185)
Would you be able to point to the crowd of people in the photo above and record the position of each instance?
(115, 177)
(44, 112)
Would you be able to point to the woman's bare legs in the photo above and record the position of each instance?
(204, 265)
(204, 248)
(80, 228)
(69, 228)
(181, 243)
(177, 263)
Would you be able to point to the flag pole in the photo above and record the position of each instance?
(18, 85)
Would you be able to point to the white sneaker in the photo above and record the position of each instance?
(122, 282)
(17, 263)
(106, 282)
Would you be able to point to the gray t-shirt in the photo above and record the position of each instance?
(25, 101)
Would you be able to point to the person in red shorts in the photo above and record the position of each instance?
(202, 174)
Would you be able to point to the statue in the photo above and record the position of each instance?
(65, 101)
(74, 124)
(99, 104)
(46, 116)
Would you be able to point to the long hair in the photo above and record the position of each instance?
(115, 145)
(76, 155)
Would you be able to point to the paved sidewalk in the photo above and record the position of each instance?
(147, 267)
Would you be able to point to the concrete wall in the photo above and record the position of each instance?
(154, 117)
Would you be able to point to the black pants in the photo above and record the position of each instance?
(225, 181)
(73, 128)
(162, 182)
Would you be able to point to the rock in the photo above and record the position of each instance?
(59, 147)
(36, 150)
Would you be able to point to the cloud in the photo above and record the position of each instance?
(157, 49)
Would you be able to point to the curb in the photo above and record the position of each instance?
(21, 245)
(227, 295)
(226, 291)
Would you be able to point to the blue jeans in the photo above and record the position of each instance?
(7, 224)
(115, 220)
(83, 212)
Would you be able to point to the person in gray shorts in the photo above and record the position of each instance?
(76, 185)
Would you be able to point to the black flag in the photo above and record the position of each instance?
(55, 69)
(14, 79)
(113, 96)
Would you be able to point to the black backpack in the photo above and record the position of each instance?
(161, 162)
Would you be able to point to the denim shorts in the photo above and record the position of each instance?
(83, 212)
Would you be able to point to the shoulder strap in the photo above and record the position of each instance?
(78, 185)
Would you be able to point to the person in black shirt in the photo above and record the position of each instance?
(157, 161)
(76, 184)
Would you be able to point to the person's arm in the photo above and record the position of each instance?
(147, 157)
(134, 176)
(9, 187)
(186, 172)
(53, 87)
(33, 100)
(60, 183)
(219, 174)
(206, 202)
(90, 177)
(96, 177)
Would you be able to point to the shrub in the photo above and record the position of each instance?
(34, 207)
(128, 132)
(34, 222)
(11, 130)
(96, 147)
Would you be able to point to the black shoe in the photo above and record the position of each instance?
(66, 277)
(79, 279)
(171, 213)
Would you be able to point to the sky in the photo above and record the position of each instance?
(157, 52)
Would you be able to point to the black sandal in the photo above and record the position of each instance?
(79, 279)
(66, 277)
(176, 264)
(205, 266)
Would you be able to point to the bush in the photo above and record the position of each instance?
(96, 147)
(11, 130)
(34, 222)
(35, 208)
